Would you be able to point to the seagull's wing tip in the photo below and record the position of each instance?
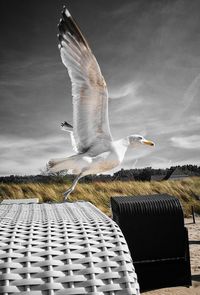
(66, 11)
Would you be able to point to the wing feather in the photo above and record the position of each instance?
(89, 91)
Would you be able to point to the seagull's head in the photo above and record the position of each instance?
(136, 139)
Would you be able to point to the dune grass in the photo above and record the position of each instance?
(99, 193)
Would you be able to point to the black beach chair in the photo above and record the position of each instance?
(153, 227)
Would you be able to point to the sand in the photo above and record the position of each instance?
(194, 238)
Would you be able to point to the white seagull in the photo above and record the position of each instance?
(96, 151)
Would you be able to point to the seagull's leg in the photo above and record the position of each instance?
(72, 187)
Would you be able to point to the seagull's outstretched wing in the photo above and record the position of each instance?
(90, 96)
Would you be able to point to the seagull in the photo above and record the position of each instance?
(95, 150)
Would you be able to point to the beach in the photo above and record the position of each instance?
(194, 241)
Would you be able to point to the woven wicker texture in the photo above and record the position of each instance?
(63, 249)
(19, 201)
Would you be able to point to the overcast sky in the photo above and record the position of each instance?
(149, 54)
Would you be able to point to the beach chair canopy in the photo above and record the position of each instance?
(153, 227)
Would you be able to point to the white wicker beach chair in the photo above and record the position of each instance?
(62, 249)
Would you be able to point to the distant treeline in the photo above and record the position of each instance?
(145, 174)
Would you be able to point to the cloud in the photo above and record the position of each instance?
(186, 142)
(28, 155)
(123, 90)
(124, 99)
(191, 92)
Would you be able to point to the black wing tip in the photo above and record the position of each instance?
(62, 26)
(65, 12)
(67, 25)
(60, 37)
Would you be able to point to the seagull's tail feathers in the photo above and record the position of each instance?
(61, 164)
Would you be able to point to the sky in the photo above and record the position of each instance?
(149, 55)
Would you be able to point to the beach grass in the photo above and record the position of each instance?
(99, 193)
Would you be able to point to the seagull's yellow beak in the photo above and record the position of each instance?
(148, 142)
